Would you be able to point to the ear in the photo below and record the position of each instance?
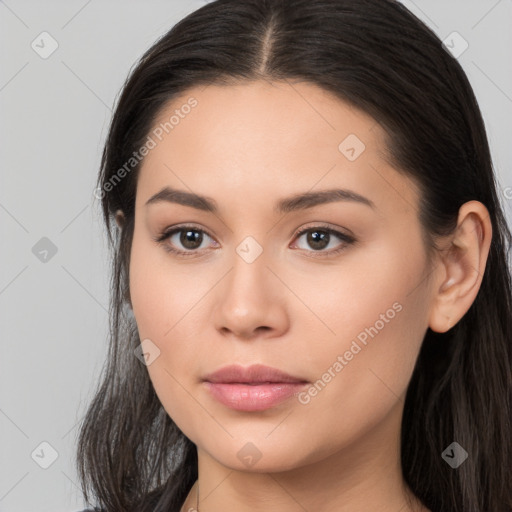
(119, 218)
(462, 267)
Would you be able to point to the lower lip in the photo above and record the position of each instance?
(246, 397)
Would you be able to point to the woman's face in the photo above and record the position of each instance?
(344, 313)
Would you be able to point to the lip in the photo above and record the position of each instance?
(255, 388)
(256, 373)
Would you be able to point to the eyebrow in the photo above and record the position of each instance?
(296, 202)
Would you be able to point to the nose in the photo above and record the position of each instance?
(251, 301)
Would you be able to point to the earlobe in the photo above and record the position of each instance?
(462, 266)
(119, 218)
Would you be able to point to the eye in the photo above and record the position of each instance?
(320, 237)
(190, 238)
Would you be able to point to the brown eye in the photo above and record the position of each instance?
(191, 239)
(183, 240)
(318, 238)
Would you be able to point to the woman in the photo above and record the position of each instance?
(311, 303)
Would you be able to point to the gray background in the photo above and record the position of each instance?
(54, 117)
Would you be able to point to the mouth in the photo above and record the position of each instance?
(254, 388)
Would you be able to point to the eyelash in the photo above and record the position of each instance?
(346, 239)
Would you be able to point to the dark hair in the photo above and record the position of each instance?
(378, 57)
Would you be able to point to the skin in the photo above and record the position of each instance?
(247, 146)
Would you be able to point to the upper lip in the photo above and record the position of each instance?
(255, 373)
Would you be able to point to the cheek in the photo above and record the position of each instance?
(164, 300)
(162, 294)
(373, 293)
(377, 309)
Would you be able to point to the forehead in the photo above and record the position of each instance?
(283, 115)
(267, 138)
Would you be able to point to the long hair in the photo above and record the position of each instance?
(378, 57)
